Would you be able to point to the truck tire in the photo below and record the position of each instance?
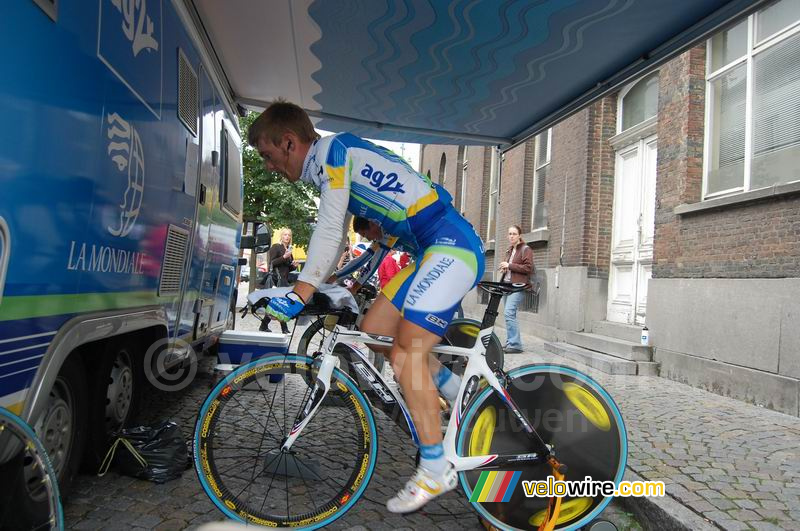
(62, 429)
(114, 396)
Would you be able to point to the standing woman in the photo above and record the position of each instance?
(516, 268)
(281, 263)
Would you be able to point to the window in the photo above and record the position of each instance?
(442, 168)
(543, 145)
(753, 102)
(639, 103)
(230, 189)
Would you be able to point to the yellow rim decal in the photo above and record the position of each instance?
(570, 510)
(481, 439)
(470, 330)
(587, 404)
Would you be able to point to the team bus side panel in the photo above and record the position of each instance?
(102, 162)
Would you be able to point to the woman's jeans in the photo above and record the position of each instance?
(510, 313)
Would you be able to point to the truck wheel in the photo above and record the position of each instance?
(62, 425)
(62, 429)
(114, 394)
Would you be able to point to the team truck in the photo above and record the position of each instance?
(120, 217)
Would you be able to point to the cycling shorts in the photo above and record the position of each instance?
(451, 263)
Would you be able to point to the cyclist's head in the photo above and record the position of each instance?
(360, 224)
(514, 234)
(279, 118)
(282, 134)
(367, 229)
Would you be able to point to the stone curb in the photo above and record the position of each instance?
(663, 513)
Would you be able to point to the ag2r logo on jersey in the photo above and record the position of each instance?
(381, 181)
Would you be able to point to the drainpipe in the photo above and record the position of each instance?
(497, 169)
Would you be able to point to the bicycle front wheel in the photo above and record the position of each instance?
(240, 431)
(572, 413)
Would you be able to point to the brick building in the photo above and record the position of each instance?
(673, 203)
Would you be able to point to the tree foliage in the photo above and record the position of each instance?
(269, 197)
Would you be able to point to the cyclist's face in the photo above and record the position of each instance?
(281, 158)
(372, 232)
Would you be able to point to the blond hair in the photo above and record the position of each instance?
(279, 118)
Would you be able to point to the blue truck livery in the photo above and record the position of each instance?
(120, 210)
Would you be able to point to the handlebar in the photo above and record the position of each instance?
(318, 305)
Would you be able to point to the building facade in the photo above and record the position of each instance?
(672, 204)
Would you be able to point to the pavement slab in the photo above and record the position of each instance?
(742, 461)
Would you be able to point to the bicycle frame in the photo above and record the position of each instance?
(390, 398)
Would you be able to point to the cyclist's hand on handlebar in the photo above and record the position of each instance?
(285, 308)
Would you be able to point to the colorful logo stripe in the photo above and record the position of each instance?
(495, 486)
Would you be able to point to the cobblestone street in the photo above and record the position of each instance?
(733, 464)
(119, 502)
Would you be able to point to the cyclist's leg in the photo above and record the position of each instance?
(449, 268)
(384, 317)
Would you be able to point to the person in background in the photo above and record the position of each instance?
(281, 262)
(388, 269)
(368, 262)
(404, 259)
(347, 255)
(517, 267)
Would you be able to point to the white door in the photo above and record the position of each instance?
(632, 233)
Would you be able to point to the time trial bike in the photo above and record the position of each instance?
(291, 441)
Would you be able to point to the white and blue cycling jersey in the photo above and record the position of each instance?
(356, 177)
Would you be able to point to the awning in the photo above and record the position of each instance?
(490, 72)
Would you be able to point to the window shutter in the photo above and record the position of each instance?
(776, 97)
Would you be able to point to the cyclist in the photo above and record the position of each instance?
(368, 262)
(416, 307)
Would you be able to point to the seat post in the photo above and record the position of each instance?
(490, 315)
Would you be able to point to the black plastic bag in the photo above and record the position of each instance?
(155, 453)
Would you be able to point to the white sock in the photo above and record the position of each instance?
(431, 458)
(448, 383)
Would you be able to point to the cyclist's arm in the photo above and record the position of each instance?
(375, 263)
(370, 255)
(327, 239)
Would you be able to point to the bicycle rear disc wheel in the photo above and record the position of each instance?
(21, 449)
(240, 431)
(573, 414)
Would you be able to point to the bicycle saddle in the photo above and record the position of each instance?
(503, 288)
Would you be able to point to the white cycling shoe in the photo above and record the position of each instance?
(422, 488)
